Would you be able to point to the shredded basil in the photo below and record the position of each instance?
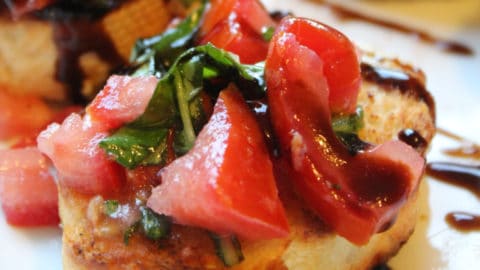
(110, 207)
(151, 225)
(267, 33)
(154, 226)
(156, 54)
(176, 103)
(350, 123)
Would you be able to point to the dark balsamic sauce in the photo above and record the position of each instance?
(461, 175)
(72, 39)
(260, 109)
(398, 80)
(466, 176)
(449, 46)
(76, 30)
(278, 15)
(463, 221)
(414, 139)
(382, 266)
(467, 149)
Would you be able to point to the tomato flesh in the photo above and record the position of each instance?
(356, 195)
(80, 162)
(28, 192)
(225, 183)
(121, 100)
(237, 26)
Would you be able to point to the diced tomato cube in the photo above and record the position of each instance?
(28, 192)
(225, 183)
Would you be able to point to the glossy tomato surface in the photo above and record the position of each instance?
(238, 26)
(355, 194)
(225, 183)
(28, 192)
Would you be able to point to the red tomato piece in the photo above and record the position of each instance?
(237, 26)
(356, 195)
(340, 61)
(122, 99)
(28, 192)
(22, 116)
(80, 162)
(225, 183)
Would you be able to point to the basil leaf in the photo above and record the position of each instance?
(132, 147)
(110, 207)
(352, 142)
(154, 226)
(350, 123)
(163, 49)
(177, 104)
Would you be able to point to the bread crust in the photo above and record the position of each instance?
(88, 243)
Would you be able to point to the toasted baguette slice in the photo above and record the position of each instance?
(28, 53)
(90, 241)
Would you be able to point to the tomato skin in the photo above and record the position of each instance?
(237, 26)
(81, 164)
(355, 195)
(28, 192)
(340, 61)
(121, 100)
(225, 182)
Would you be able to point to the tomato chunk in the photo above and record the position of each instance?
(28, 192)
(80, 162)
(237, 26)
(357, 195)
(122, 99)
(225, 183)
(339, 58)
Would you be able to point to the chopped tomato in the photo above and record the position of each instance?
(357, 195)
(28, 192)
(340, 64)
(225, 183)
(122, 99)
(22, 116)
(237, 26)
(81, 164)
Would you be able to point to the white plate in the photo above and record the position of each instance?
(454, 81)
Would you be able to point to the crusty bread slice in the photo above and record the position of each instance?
(90, 241)
(28, 54)
(27, 58)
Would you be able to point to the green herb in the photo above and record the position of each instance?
(110, 207)
(267, 33)
(131, 147)
(154, 226)
(352, 142)
(350, 123)
(176, 103)
(129, 232)
(346, 128)
(158, 53)
(228, 249)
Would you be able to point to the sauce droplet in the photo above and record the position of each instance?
(463, 221)
(413, 138)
